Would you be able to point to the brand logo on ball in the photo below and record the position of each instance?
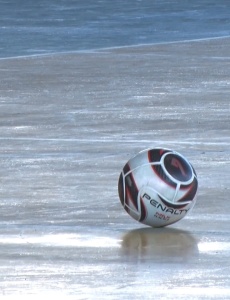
(177, 167)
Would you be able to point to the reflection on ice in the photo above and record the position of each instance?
(206, 247)
(159, 243)
(206, 292)
(62, 240)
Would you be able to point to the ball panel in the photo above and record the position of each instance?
(191, 191)
(172, 205)
(154, 155)
(131, 190)
(121, 189)
(138, 161)
(143, 211)
(160, 172)
(178, 167)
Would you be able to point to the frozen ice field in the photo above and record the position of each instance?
(68, 124)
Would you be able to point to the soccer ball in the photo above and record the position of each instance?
(158, 187)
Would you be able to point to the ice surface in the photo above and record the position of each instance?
(68, 123)
(38, 27)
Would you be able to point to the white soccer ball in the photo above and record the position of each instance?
(158, 187)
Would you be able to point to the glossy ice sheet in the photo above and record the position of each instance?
(68, 123)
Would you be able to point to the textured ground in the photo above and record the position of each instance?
(68, 124)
